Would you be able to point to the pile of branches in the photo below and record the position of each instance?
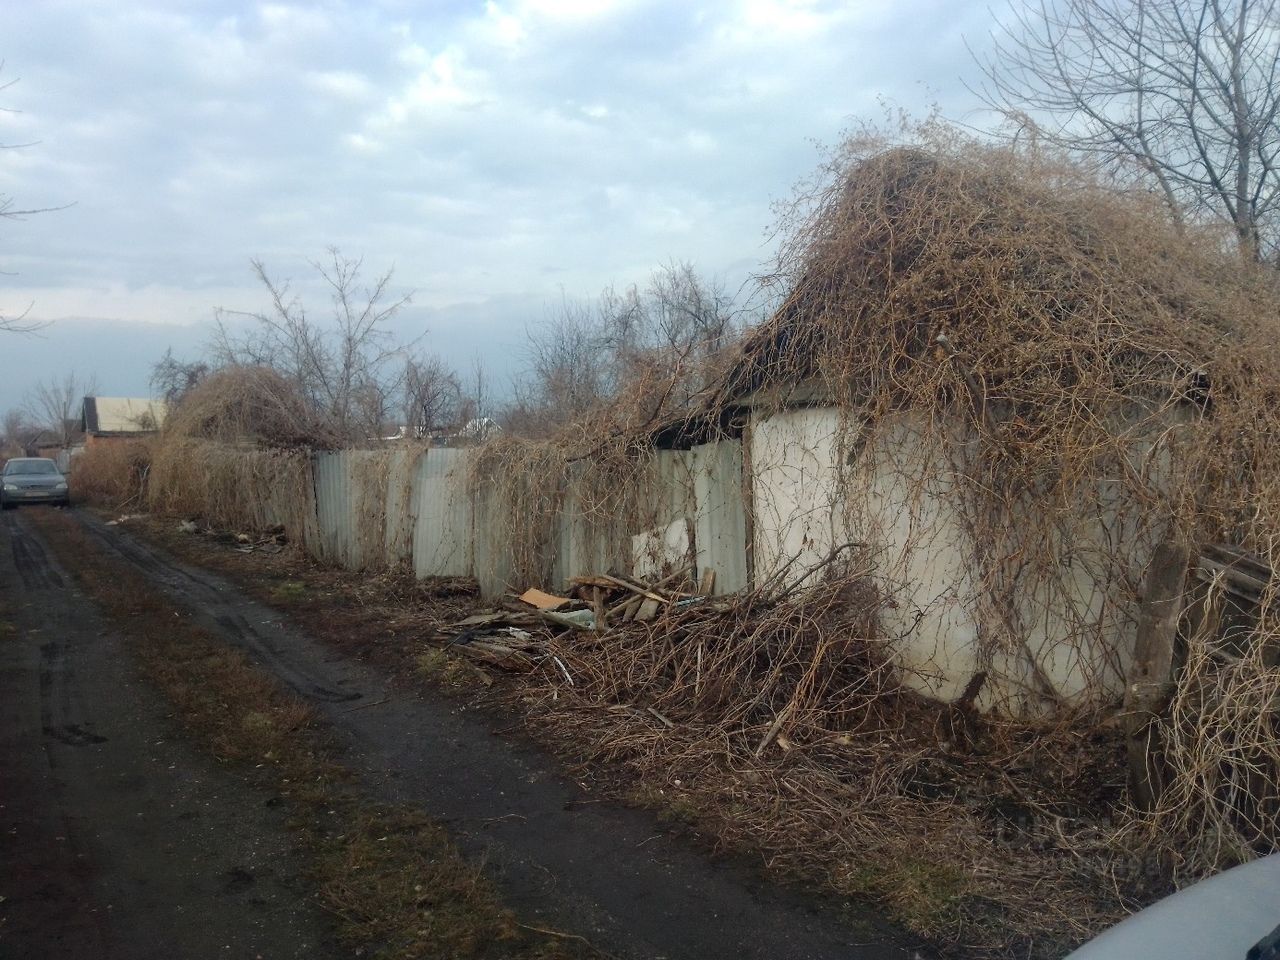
(778, 721)
(1090, 379)
(1085, 380)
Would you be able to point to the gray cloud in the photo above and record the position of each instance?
(496, 153)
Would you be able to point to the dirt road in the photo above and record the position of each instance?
(117, 838)
(78, 728)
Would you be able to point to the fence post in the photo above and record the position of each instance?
(1150, 680)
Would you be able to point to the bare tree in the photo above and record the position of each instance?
(16, 431)
(344, 367)
(569, 367)
(432, 396)
(55, 404)
(16, 323)
(172, 379)
(1177, 96)
(587, 352)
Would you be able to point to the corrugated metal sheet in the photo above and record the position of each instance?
(720, 537)
(665, 506)
(368, 472)
(442, 530)
(588, 543)
(334, 516)
(379, 507)
(492, 557)
(401, 505)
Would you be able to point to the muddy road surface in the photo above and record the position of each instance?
(117, 838)
(140, 817)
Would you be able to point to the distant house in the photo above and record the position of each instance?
(59, 446)
(45, 444)
(114, 418)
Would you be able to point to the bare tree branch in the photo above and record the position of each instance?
(1176, 96)
(55, 404)
(343, 367)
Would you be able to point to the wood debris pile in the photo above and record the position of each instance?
(525, 631)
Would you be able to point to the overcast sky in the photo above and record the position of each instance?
(496, 154)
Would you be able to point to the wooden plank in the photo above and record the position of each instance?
(597, 605)
(1256, 585)
(481, 619)
(648, 609)
(637, 588)
(747, 492)
(1150, 680)
(708, 584)
(543, 601)
(631, 607)
(592, 582)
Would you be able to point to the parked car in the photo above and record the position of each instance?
(32, 480)
(1232, 916)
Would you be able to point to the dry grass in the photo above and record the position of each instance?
(976, 832)
(1091, 381)
(239, 404)
(781, 725)
(112, 472)
(1084, 381)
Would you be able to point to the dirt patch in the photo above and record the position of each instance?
(950, 820)
(636, 886)
(388, 619)
(391, 877)
(119, 839)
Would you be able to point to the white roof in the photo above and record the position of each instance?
(124, 414)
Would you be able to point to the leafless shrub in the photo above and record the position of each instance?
(254, 405)
(589, 354)
(1076, 378)
(172, 379)
(1176, 96)
(344, 369)
(433, 400)
(236, 452)
(16, 431)
(55, 404)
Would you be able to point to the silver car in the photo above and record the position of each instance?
(32, 480)
(1232, 916)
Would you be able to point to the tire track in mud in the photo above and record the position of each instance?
(220, 613)
(610, 873)
(117, 838)
(29, 557)
(42, 577)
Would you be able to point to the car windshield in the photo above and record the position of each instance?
(17, 468)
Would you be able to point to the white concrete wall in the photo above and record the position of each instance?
(796, 499)
(923, 556)
(897, 494)
(720, 525)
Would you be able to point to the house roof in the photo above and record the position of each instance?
(123, 415)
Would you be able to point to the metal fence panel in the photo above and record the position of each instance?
(333, 508)
(721, 519)
(384, 507)
(443, 523)
(401, 505)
